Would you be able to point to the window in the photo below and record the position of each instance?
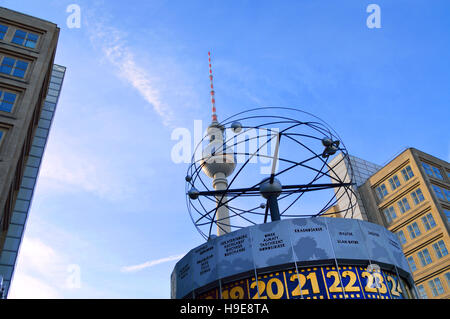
(432, 171)
(425, 258)
(447, 194)
(381, 191)
(422, 292)
(7, 100)
(394, 181)
(447, 213)
(417, 196)
(403, 205)
(413, 230)
(407, 173)
(3, 29)
(440, 249)
(401, 237)
(390, 214)
(427, 169)
(411, 263)
(438, 192)
(428, 221)
(436, 287)
(26, 39)
(13, 67)
(437, 172)
(447, 276)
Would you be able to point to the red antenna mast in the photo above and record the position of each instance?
(213, 100)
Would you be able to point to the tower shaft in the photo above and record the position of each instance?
(220, 183)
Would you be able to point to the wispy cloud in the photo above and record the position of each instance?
(150, 263)
(112, 42)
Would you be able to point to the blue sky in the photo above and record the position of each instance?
(109, 195)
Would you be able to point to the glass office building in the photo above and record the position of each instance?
(359, 170)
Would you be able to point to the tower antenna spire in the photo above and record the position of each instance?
(213, 100)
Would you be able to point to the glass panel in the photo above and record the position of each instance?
(20, 69)
(426, 224)
(15, 231)
(19, 37)
(30, 171)
(7, 65)
(54, 86)
(60, 68)
(412, 264)
(438, 284)
(51, 98)
(3, 29)
(437, 250)
(411, 232)
(8, 258)
(24, 194)
(409, 171)
(6, 272)
(442, 247)
(7, 101)
(56, 80)
(52, 92)
(427, 169)
(6, 106)
(438, 192)
(33, 161)
(30, 44)
(46, 115)
(12, 244)
(41, 132)
(416, 229)
(401, 237)
(447, 194)
(57, 74)
(39, 141)
(44, 123)
(33, 37)
(21, 205)
(31, 40)
(49, 106)
(28, 182)
(10, 97)
(18, 218)
(36, 151)
(431, 220)
(437, 172)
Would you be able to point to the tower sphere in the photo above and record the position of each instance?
(221, 163)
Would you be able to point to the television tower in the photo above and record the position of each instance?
(217, 164)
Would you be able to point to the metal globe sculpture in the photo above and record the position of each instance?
(270, 161)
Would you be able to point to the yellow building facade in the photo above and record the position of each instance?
(410, 196)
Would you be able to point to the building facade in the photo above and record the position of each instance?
(27, 51)
(411, 197)
(346, 169)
